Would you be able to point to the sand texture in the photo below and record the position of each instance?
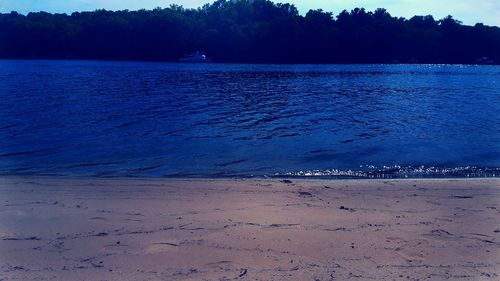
(177, 229)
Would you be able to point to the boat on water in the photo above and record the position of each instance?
(485, 61)
(198, 57)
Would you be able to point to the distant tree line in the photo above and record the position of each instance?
(258, 31)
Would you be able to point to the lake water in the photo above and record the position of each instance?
(87, 118)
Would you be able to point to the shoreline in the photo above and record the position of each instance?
(55, 228)
(240, 178)
(240, 63)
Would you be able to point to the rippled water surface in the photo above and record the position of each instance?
(163, 119)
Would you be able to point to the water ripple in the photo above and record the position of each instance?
(163, 119)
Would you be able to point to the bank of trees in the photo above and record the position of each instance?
(247, 31)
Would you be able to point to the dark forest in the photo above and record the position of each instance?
(247, 31)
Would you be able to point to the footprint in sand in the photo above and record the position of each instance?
(439, 235)
(413, 251)
(160, 247)
(98, 219)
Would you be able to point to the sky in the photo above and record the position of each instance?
(468, 11)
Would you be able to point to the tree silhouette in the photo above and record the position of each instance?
(247, 31)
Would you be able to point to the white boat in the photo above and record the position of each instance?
(195, 57)
(485, 61)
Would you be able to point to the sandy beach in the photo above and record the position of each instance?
(248, 229)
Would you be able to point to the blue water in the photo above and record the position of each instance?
(88, 118)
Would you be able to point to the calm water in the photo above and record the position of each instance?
(163, 119)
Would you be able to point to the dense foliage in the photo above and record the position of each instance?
(247, 31)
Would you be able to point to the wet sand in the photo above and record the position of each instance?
(177, 229)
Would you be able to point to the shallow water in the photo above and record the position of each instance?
(165, 119)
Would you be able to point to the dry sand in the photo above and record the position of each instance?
(154, 229)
